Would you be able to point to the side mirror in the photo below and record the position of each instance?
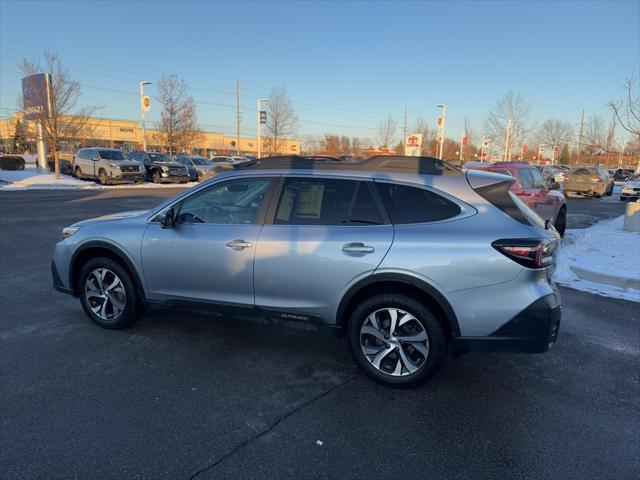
(169, 219)
(554, 186)
(95, 159)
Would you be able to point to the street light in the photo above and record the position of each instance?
(441, 124)
(260, 100)
(144, 133)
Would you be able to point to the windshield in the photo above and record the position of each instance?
(160, 158)
(200, 161)
(111, 155)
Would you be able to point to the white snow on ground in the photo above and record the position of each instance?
(604, 248)
(34, 179)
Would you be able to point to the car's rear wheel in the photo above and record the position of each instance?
(107, 294)
(395, 339)
(561, 221)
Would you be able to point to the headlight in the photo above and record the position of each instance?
(68, 231)
(164, 168)
(113, 165)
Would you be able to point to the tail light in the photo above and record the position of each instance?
(530, 253)
(595, 179)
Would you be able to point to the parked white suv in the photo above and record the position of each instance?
(108, 165)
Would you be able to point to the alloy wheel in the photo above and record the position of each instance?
(105, 294)
(394, 341)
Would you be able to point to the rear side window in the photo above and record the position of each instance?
(406, 204)
(365, 210)
(581, 171)
(315, 201)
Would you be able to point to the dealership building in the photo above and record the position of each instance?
(127, 135)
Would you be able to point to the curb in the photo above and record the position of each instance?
(614, 280)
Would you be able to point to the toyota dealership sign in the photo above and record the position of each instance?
(413, 145)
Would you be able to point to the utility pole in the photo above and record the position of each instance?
(404, 130)
(238, 117)
(580, 137)
(441, 125)
(507, 149)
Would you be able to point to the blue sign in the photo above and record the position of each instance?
(36, 96)
(263, 116)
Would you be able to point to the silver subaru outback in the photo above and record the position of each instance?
(409, 257)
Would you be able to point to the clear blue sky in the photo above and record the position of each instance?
(346, 65)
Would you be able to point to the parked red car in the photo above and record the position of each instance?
(542, 196)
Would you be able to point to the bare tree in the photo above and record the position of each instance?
(554, 132)
(64, 122)
(331, 145)
(311, 144)
(387, 131)
(178, 124)
(627, 110)
(282, 120)
(511, 106)
(594, 138)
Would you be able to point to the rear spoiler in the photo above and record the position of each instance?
(494, 188)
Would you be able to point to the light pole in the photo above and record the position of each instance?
(441, 124)
(258, 103)
(142, 109)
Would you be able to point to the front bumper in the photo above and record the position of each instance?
(57, 283)
(174, 178)
(534, 330)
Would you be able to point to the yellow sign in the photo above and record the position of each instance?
(146, 103)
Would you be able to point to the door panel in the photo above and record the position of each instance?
(306, 268)
(192, 261)
(208, 255)
(326, 233)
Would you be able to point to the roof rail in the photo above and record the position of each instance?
(382, 163)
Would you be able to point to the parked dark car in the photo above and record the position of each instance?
(621, 175)
(66, 164)
(11, 162)
(161, 168)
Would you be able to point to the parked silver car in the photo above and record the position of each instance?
(108, 165)
(201, 168)
(407, 256)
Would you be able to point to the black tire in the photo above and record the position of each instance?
(561, 221)
(102, 177)
(610, 191)
(78, 173)
(133, 306)
(155, 176)
(437, 345)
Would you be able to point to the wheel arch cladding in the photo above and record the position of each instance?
(101, 249)
(385, 283)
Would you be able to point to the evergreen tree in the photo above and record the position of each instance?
(19, 137)
(565, 156)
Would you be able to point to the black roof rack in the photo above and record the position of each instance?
(381, 163)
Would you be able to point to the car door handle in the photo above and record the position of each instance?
(238, 244)
(357, 248)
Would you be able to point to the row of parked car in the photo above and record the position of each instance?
(112, 166)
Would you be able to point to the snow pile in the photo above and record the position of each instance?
(38, 179)
(31, 178)
(605, 250)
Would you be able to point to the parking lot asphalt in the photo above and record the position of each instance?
(184, 395)
(584, 212)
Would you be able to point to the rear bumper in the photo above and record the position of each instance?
(534, 330)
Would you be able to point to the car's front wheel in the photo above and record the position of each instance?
(156, 176)
(102, 176)
(396, 339)
(107, 294)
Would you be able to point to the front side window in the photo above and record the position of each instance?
(237, 201)
(406, 204)
(315, 201)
